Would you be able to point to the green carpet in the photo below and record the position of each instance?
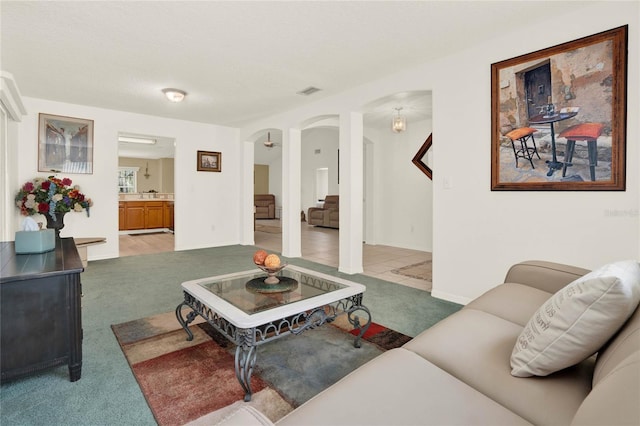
(133, 287)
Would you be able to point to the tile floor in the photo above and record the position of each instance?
(157, 242)
(321, 245)
(318, 245)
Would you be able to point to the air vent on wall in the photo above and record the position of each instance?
(317, 151)
(308, 91)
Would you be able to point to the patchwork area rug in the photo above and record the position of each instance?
(195, 381)
(421, 271)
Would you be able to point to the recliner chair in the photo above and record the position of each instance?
(328, 215)
(265, 206)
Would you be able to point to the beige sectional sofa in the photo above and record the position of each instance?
(461, 371)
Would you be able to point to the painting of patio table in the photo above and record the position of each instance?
(558, 116)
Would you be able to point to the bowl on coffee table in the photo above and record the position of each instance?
(271, 273)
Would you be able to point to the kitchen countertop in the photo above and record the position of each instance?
(147, 196)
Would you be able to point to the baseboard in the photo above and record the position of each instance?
(450, 297)
(351, 271)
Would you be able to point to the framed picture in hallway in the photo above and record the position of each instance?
(209, 161)
(420, 160)
(558, 117)
(65, 144)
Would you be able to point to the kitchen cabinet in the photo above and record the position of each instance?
(134, 215)
(146, 215)
(168, 214)
(154, 211)
(121, 221)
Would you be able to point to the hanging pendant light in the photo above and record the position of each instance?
(268, 142)
(398, 123)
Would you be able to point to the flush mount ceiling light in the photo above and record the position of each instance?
(398, 123)
(174, 95)
(130, 139)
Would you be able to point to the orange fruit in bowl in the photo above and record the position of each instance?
(259, 257)
(272, 261)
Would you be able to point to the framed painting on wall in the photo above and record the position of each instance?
(558, 117)
(209, 161)
(420, 161)
(65, 144)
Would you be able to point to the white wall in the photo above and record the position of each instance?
(402, 193)
(477, 233)
(207, 208)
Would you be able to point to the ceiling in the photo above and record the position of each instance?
(416, 105)
(238, 61)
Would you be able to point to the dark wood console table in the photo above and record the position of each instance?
(40, 310)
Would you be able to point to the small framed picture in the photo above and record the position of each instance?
(65, 144)
(209, 161)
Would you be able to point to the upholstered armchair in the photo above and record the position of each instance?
(265, 206)
(328, 215)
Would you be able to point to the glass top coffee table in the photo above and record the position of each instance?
(250, 313)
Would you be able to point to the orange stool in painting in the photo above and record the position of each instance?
(522, 135)
(588, 132)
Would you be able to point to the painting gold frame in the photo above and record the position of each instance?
(586, 86)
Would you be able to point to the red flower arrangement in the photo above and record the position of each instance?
(51, 196)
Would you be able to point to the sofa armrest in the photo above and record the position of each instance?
(313, 218)
(614, 400)
(546, 276)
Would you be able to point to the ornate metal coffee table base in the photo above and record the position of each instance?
(248, 339)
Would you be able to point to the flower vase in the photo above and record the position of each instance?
(56, 224)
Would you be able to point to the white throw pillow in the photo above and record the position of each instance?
(578, 320)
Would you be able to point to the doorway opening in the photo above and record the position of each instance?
(145, 186)
(322, 183)
(267, 190)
